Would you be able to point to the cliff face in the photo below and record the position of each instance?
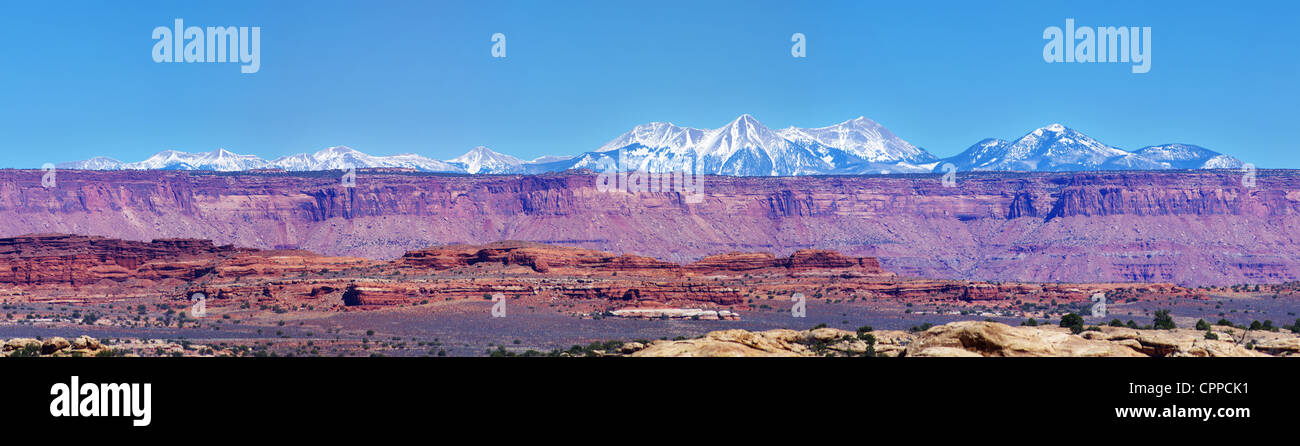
(74, 268)
(1190, 228)
(57, 259)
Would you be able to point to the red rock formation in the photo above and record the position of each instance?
(1186, 227)
(80, 260)
(92, 266)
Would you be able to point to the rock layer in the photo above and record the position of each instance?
(983, 339)
(71, 268)
(1185, 227)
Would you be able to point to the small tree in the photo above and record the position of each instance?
(1202, 325)
(1072, 320)
(1163, 321)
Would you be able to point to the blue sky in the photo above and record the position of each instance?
(388, 77)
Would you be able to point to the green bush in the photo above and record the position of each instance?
(1071, 320)
(1163, 321)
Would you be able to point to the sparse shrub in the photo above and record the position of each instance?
(1163, 321)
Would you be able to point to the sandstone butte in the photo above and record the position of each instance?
(979, 339)
(1191, 228)
(87, 269)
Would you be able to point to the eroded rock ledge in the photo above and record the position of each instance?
(981, 339)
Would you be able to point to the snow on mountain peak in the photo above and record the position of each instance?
(483, 160)
(1056, 147)
(657, 135)
(864, 138)
(743, 146)
(742, 133)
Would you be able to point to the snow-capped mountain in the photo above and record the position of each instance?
(864, 138)
(1187, 156)
(1055, 147)
(96, 163)
(742, 147)
(342, 157)
(483, 160)
(226, 161)
(659, 136)
(1060, 148)
(746, 147)
(219, 160)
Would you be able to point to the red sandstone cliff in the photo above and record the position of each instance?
(70, 267)
(1190, 227)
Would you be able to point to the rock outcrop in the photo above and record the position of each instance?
(67, 268)
(557, 259)
(1184, 227)
(75, 260)
(55, 346)
(984, 339)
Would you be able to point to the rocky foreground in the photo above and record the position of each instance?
(976, 339)
(957, 339)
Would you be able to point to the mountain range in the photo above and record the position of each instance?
(742, 147)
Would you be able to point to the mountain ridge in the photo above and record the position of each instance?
(742, 147)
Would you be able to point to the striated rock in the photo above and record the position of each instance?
(76, 260)
(780, 342)
(731, 343)
(225, 275)
(1184, 227)
(977, 339)
(994, 339)
(806, 259)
